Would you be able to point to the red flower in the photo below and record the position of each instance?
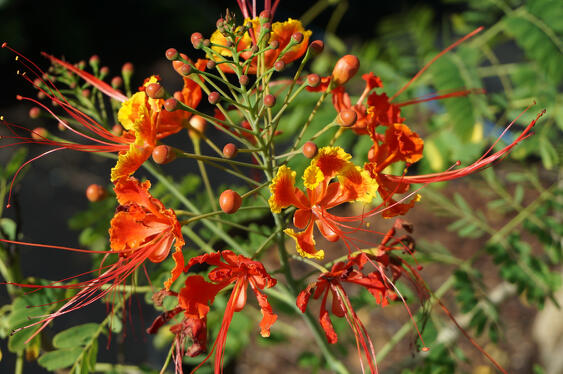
(331, 282)
(229, 268)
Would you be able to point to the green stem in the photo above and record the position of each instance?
(184, 200)
(19, 364)
(204, 177)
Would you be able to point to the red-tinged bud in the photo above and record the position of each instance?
(163, 154)
(127, 69)
(230, 201)
(424, 349)
(243, 80)
(171, 54)
(347, 118)
(41, 95)
(85, 93)
(213, 97)
(81, 64)
(345, 69)
(317, 46)
(94, 61)
(279, 65)
(182, 69)
(171, 104)
(95, 192)
(313, 80)
(37, 82)
(54, 103)
(61, 126)
(117, 129)
(178, 96)
(211, 64)
(274, 44)
(265, 16)
(269, 100)
(220, 22)
(116, 82)
(197, 40)
(39, 133)
(155, 91)
(34, 112)
(197, 123)
(310, 149)
(206, 42)
(230, 150)
(104, 71)
(297, 37)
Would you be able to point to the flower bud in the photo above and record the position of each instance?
(163, 154)
(39, 133)
(95, 192)
(155, 91)
(297, 37)
(317, 46)
(213, 97)
(310, 149)
(274, 44)
(171, 104)
(230, 201)
(196, 40)
(34, 112)
(206, 42)
(347, 118)
(85, 93)
(104, 71)
(243, 80)
(94, 61)
(269, 100)
(313, 80)
(171, 54)
(210, 64)
(197, 123)
(265, 16)
(127, 69)
(345, 69)
(230, 150)
(81, 64)
(116, 82)
(181, 68)
(279, 65)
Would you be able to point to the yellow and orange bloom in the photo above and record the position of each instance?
(322, 193)
(281, 33)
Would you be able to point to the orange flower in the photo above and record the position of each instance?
(281, 33)
(142, 229)
(230, 268)
(142, 224)
(353, 184)
(146, 121)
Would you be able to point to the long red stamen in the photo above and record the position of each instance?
(99, 84)
(474, 91)
(452, 46)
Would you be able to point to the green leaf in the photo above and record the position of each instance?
(61, 358)
(75, 336)
(18, 157)
(8, 227)
(538, 40)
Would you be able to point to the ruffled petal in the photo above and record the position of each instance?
(305, 243)
(312, 177)
(282, 189)
(331, 161)
(196, 296)
(178, 269)
(268, 315)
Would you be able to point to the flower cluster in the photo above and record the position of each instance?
(240, 64)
